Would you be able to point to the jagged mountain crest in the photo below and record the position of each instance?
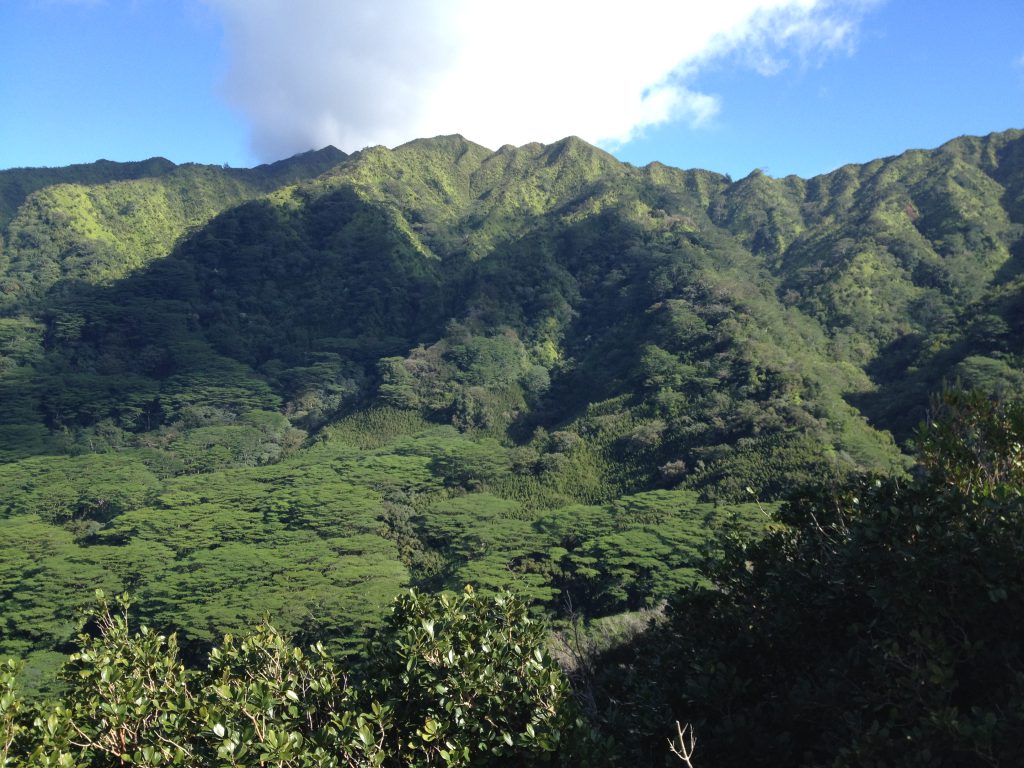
(866, 254)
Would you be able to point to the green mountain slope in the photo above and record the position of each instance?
(98, 222)
(436, 364)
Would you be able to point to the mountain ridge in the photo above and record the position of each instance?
(440, 364)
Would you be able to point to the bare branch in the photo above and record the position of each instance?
(685, 741)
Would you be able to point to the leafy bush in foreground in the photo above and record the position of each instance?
(450, 680)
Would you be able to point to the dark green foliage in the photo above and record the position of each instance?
(878, 624)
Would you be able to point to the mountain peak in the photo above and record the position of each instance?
(455, 144)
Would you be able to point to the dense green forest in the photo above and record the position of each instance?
(876, 622)
(296, 390)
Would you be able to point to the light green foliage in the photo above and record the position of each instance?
(471, 464)
(375, 427)
(82, 490)
(95, 223)
(988, 374)
(486, 542)
(257, 437)
(640, 549)
(99, 233)
(44, 577)
(213, 554)
(16, 184)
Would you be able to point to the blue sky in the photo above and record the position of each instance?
(921, 72)
(791, 87)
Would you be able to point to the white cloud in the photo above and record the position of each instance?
(354, 72)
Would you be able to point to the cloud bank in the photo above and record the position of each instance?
(354, 73)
